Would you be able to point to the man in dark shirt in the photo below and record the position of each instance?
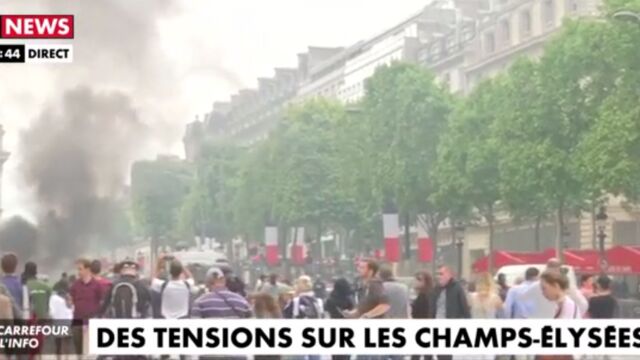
(603, 305)
(374, 303)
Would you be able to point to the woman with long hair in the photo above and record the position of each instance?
(265, 307)
(421, 305)
(340, 300)
(485, 301)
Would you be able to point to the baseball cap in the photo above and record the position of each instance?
(215, 273)
(129, 265)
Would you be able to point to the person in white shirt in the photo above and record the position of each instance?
(544, 308)
(554, 288)
(175, 295)
(61, 310)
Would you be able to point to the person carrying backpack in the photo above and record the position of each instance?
(128, 298)
(173, 297)
(305, 305)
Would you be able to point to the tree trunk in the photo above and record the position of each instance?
(536, 233)
(560, 233)
(490, 221)
(407, 236)
(594, 242)
(432, 230)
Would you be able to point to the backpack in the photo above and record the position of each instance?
(124, 301)
(157, 300)
(307, 307)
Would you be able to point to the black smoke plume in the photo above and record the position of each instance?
(75, 157)
(18, 236)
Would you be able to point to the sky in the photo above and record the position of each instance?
(174, 59)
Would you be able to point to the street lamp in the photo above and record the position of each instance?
(626, 15)
(460, 229)
(601, 223)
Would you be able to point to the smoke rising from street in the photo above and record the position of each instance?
(76, 157)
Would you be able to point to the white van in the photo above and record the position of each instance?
(513, 272)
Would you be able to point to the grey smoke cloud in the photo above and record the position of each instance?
(76, 158)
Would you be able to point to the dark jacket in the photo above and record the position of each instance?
(421, 306)
(457, 306)
(339, 300)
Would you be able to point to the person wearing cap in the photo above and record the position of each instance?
(129, 274)
(220, 302)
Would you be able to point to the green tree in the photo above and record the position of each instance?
(405, 114)
(468, 168)
(157, 191)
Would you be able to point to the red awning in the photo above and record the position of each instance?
(623, 260)
(500, 258)
(582, 261)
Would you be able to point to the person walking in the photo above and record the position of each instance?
(265, 307)
(128, 297)
(421, 305)
(485, 303)
(397, 294)
(9, 265)
(38, 292)
(6, 305)
(555, 286)
(61, 310)
(173, 296)
(96, 272)
(503, 288)
(220, 303)
(373, 302)
(340, 300)
(587, 285)
(545, 309)
(273, 287)
(86, 295)
(449, 300)
(516, 306)
(305, 305)
(36, 299)
(602, 305)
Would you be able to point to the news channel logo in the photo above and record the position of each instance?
(36, 27)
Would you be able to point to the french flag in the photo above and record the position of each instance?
(298, 248)
(271, 245)
(425, 245)
(391, 231)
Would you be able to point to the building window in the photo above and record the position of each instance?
(525, 19)
(505, 30)
(489, 42)
(548, 13)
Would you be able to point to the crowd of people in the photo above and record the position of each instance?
(171, 293)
